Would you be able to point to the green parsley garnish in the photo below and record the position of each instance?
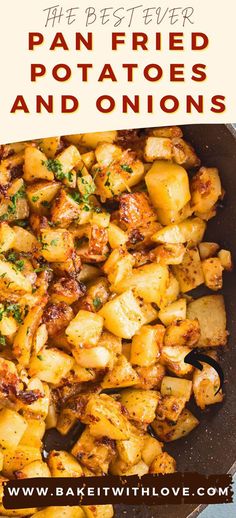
(40, 357)
(2, 340)
(97, 302)
(126, 168)
(35, 198)
(55, 167)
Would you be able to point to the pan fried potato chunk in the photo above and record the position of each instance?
(93, 453)
(148, 282)
(105, 418)
(85, 328)
(205, 189)
(140, 404)
(151, 448)
(57, 245)
(150, 377)
(176, 387)
(15, 459)
(7, 237)
(41, 194)
(206, 384)
(169, 253)
(168, 186)
(34, 432)
(189, 273)
(168, 431)
(212, 271)
(98, 511)
(184, 154)
(158, 148)
(146, 344)
(122, 375)
(66, 512)
(163, 464)
(36, 469)
(95, 358)
(35, 166)
(12, 428)
(91, 140)
(211, 315)
(191, 230)
(12, 280)
(130, 451)
(173, 358)
(175, 311)
(63, 464)
(225, 258)
(183, 332)
(207, 249)
(123, 315)
(170, 407)
(24, 241)
(41, 365)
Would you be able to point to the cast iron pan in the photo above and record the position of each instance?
(211, 447)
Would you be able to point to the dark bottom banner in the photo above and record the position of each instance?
(177, 488)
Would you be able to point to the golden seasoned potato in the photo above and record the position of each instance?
(168, 186)
(205, 189)
(116, 236)
(57, 245)
(7, 237)
(15, 459)
(98, 511)
(205, 386)
(176, 387)
(151, 448)
(93, 452)
(163, 464)
(150, 377)
(91, 140)
(225, 258)
(35, 166)
(36, 469)
(169, 431)
(105, 418)
(140, 404)
(158, 148)
(211, 315)
(121, 375)
(146, 344)
(65, 512)
(207, 249)
(129, 451)
(123, 315)
(182, 332)
(41, 365)
(191, 230)
(41, 194)
(190, 272)
(12, 428)
(184, 154)
(173, 358)
(63, 464)
(34, 432)
(175, 311)
(85, 328)
(94, 358)
(212, 271)
(169, 253)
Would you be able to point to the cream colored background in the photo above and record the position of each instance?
(217, 19)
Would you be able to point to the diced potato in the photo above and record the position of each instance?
(34, 433)
(139, 469)
(117, 237)
(212, 271)
(146, 344)
(176, 387)
(98, 511)
(1, 460)
(15, 459)
(189, 274)
(207, 249)
(40, 338)
(170, 408)
(35, 165)
(168, 253)
(158, 148)
(36, 469)
(130, 450)
(10, 163)
(12, 280)
(23, 341)
(168, 132)
(110, 421)
(8, 326)
(95, 358)
(41, 365)
(116, 170)
(85, 328)
(205, 189)
(149, 312)
(93, 453)
(12, 428)
(173, 358)
(118, 268)
(175, 311)
(63, 464)
(68, 159)
(91, 140)
(163, 464)
(89, 159)
(184, 154)
(168, 431)
(49, 146)
(210, 312)
(191, 230)
(122, 375)
(151, 448)
(205, 385)
(171, 293)
(150, 377)
(64, 512)
(183, 332)
(41, 194)
(167, 217)
(57, 245)
(24, 240)
(38, 409)
(225, 258)
(123, 315)
(7, 236)
(140, 404)
(14, 206)
(168, 186)
(65, 210)
(148, 282)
